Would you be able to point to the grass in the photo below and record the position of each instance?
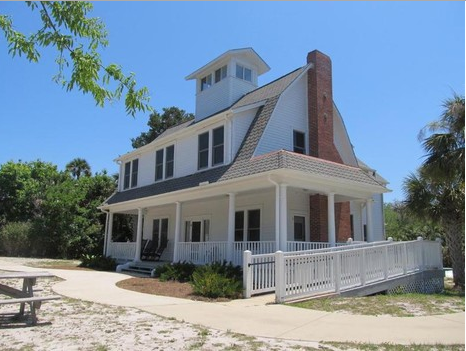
(398, 305)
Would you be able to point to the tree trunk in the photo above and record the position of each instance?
(454, 235)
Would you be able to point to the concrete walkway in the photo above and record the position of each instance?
(258, 317)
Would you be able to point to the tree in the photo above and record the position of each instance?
(436, 190)
(66, 27)
(79, 166)
(159, 123)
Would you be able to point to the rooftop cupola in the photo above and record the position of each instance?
(225, 79)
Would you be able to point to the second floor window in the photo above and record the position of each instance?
(159, 164)
(220, 74)
(130, 176)
(299, 144)
(164, 163)
(203, 151)
(217, 147)
(169, 161)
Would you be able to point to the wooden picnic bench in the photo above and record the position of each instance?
(26, 295)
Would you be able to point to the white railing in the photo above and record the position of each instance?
(122, 250)
(255, 247)
(305, 245)
(299, 275)
(260, 273)
(202, 252)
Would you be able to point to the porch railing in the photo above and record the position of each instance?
(122, 250)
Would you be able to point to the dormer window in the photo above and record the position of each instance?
(243, 73)
(220, 74)
(206, 82)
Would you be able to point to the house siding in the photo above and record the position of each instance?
(342, 141)
(240, 125)
(290, 114)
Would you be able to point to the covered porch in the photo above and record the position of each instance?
(261, 213)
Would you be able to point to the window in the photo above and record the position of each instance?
(134, 173)
(247, 225)
(254, 225)
(169, 161)
(127, 175)
(131, 174)
(217, 147)
(299, 228)
(220, 74)
(203, 150)
(243, 73)
(206, 82)
(299, 144)
(159, 164)
(197, 230)
(239, 226)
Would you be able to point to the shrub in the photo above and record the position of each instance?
(98, 262)
(14, 239)
(217, 280)
(180, 271)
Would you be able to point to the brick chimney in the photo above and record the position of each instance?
(320, 115)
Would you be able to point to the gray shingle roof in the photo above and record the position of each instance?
(245, 164)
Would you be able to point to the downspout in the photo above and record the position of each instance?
(277, 213)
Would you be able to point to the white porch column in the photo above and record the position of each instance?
(283, 218)
(109, 232)
(277, 217)
(137, 255)
(231, 225)
(331, 219)
(369, 229)
(177, 230)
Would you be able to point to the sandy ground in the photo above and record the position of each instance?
(70, 324)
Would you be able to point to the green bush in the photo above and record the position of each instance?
(98, 262)
(212, 281)
(180, 271)
(14, 239)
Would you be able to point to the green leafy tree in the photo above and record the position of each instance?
(78, 167)
(77, 38)
(22, 189)
(159, 123)
(436, 190)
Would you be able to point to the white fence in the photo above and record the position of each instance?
(295, 275)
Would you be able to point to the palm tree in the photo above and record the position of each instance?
(436, 191)
(78, 167)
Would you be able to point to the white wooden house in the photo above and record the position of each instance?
(259, 168)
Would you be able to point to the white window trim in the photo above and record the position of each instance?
(201, 219)
(130, 174)
(164, 163)
(211, 149)
(305, 140)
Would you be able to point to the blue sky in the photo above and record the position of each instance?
(393, 65)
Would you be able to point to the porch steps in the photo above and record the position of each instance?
(139, 270)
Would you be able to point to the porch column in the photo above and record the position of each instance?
(177, 230)
(331, 219)
(109, 232)
(137, 255)
(277, 217)
(231, 225)
(283, 217)
(369, 229)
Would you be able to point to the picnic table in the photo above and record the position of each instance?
(26, 294)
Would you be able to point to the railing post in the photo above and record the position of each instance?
(404, 259)
(280, 282)
(385, 264)
(247, 274)
(362, 267)
(421, 248)
(337, 270)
